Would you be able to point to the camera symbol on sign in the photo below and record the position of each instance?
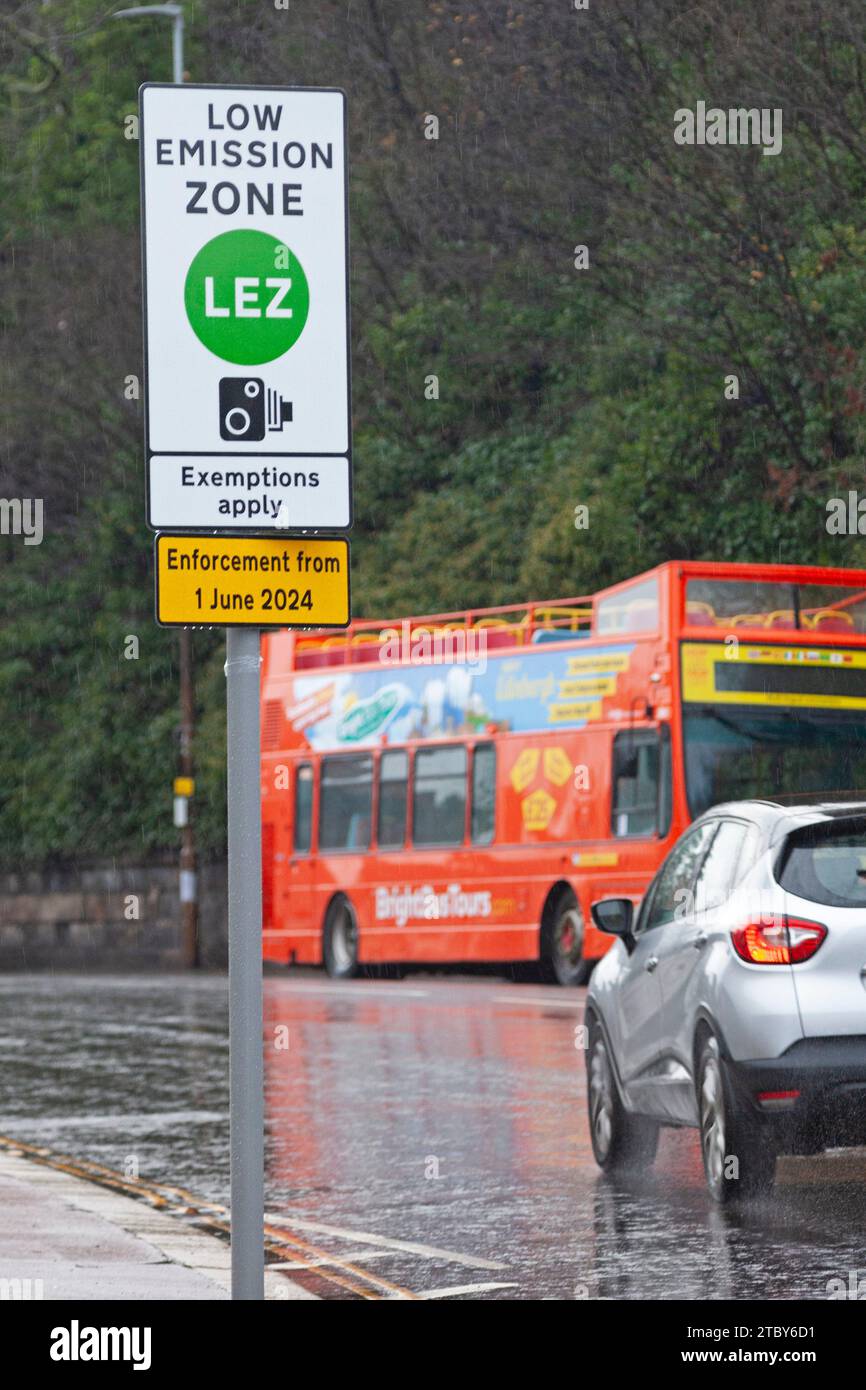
(248, 408)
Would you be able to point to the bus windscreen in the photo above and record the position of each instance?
(772, 721)
(734, 754)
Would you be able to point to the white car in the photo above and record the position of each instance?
(734, 1000)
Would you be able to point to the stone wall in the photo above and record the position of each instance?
(107, 916)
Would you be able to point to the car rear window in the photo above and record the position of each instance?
(826, 863)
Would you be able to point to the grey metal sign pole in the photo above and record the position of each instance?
(191, 402)
(246, 1073)
(246, 1077)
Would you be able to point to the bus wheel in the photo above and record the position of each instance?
(340, 940)
(562, 936)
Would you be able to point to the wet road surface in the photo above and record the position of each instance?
(430, 1132)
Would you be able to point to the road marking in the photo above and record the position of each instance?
(328, 1260)
(409, 1247)
(283, 1242)
(463, 1288)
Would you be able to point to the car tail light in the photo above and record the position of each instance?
(778, 940)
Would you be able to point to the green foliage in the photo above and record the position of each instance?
(557, 387)
(88, 688)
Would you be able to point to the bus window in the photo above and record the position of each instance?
(642, 791)
(483, 793)
(439, 803)
(633, 608)
(303, 808)
(393, 778)
(346, 802)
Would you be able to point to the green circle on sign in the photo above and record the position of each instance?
(246, 297)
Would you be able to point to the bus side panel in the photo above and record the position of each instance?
(291, 927)
(274, 943)
(469, 902)
(431, 906)
(555, 796)
(554, 805)
(631, 864)
(446, 905)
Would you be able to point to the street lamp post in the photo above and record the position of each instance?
(173, 12)
(188, 875)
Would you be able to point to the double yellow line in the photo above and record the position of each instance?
(279, 1244)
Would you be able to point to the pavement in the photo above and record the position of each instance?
(76, 1240)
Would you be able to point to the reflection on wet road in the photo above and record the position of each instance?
(431, 1130)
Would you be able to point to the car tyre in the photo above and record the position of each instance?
(562, 942)
(728, 1134)
(340, 940)
(621, 1142)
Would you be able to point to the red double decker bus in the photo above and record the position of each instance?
(463, 786)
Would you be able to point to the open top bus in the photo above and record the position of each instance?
(463, 786)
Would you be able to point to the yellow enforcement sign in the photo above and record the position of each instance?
(226, 581)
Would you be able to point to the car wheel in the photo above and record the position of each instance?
(562, 939)
(340, 943)
(739, 1155)
(620, 1141)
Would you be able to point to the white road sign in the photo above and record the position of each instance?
(245, 246)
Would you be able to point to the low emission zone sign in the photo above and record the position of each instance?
(236, 581)
(245, 245)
